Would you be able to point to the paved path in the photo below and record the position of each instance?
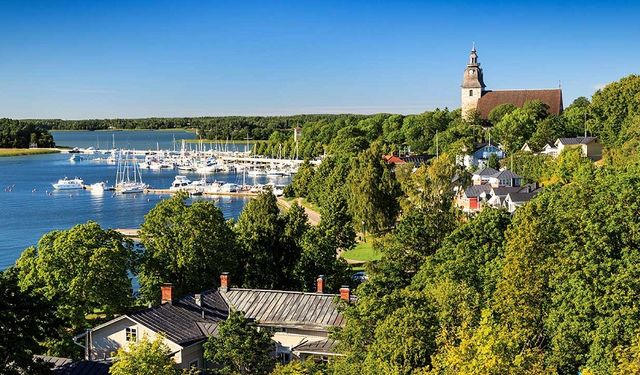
(314, 216)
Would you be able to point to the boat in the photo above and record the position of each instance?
(229, 188)
(256, 173)
(76, 157)
(180, 183)
(274, 173)
(125, 184)
(67, 184)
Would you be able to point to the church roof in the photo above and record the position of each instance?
(492, 99)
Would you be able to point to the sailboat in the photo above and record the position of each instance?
(125, 184)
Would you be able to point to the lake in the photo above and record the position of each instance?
(30, 208)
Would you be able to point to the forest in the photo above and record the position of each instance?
(16, 134)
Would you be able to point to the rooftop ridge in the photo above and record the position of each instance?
(544, 89)
(281, 291)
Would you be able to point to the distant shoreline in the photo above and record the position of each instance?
(189, 130)
(6, 152)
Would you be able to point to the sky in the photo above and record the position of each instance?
(124, 59)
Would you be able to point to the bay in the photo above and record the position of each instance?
(29, 207)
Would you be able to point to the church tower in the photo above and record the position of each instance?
(472, 85)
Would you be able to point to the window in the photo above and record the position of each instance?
(194, 364)
(131, 334)
(470, 92)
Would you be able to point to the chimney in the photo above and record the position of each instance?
(167, 292)
(320, 284)
(198, 301)
(224, 282)
(345, 293)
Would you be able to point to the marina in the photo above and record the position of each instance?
(32, 207)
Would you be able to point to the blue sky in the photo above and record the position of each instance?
(98, 59)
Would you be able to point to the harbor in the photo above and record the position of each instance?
(32, 207)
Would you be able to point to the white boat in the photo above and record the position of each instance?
(229, 188)
(98, 187)
(125, 184)
(274, 173)
(256, 173)
(67, 184)
(180, 183)
(76, 157)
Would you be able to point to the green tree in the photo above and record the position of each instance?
(496, 114)
(239, 348)
(373, 192)
(82, 270)
(336, 222)
(308, 367)
(26, 320)
(186, 245)
(612, 107)
(145, 357)
(303, 179)
(320, 257)
(493, 162)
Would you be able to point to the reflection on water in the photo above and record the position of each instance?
(30, 207)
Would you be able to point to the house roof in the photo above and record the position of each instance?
(65, 366)
(326, 346)
(503, 191)
(504, 174)
(486, 171)
(314, 311)
(491, 99)
(576, 140)
(181, 320)
(476, 190)
(522, 197)
(392, 159)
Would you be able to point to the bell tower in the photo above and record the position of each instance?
(472, 85)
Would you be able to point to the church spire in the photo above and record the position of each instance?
(472, 84)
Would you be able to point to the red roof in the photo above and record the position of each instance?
(492, 99)
(392, 159)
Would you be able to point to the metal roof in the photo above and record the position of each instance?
(326, 346)
(278, 308)
(576, 140)
(181, 321)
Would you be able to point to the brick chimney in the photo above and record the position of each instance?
(320, 284)
(167, 292)
(224, 282)
(345, 293)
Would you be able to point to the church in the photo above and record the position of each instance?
(476, 99)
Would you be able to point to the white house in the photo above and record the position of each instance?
(300, 322)
(590, 146)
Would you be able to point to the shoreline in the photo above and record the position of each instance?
(9, 152)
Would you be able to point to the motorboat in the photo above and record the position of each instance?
(67, 184)
(256, 173)
(180, 183)
(76, 157)
(229, 188)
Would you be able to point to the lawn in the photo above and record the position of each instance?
(26, 151)
(363, 252)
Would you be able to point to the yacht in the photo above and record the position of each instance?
(125, 182)
(180, 183)
(256, 173)
(76, 157)
(67, 184)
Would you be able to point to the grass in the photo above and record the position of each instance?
(363, 252)
(26, 151)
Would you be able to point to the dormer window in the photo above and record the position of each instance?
(131, 334)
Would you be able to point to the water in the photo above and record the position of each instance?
(30, 208)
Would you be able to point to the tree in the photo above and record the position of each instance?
(308, 367)
(82, 270)
(493, 161)
(26, 320)
(373, 192)
(303, 179)
(270, 242)
(500, 111)
(186, 245)
(611, 108)
(336, 222)
(239, 348)
(320, 257)
(144, 357)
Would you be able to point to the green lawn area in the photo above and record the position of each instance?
(363, 252)
(25, 151)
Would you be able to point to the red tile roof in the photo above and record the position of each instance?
(492, 99)
(392, 159)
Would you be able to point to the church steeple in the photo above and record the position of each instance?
(472, 84)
